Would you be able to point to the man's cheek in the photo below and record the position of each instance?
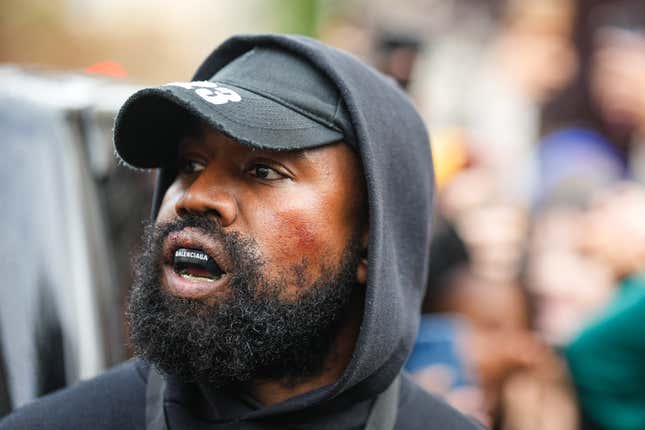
(303, 233)
(167, 208)
(297, 235)
(292, 238)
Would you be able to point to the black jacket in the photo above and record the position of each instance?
(116, 400)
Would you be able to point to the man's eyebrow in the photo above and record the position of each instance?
(299, 155)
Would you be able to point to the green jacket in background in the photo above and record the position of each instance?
(607, 361)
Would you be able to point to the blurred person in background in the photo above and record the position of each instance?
(493, 227)
(525, 385)
(476, 347)
(567, 287)
(494, 94)
(270, 293)
(606, 100)
(618, 79)
(606, 357)
(395, 55)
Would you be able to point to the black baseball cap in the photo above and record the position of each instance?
(267, 98)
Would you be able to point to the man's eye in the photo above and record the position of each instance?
(262, 171)
(190, 166)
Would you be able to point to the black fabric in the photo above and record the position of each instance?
(393, 145)
(382, 415)
(289, 81)
(116, 400)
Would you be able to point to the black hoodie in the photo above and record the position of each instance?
(394, 147)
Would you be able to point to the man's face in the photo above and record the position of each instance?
(301, 208)
(284, 233)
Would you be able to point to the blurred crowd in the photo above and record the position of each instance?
(536, 297)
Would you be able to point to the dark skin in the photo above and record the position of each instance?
(301, 207)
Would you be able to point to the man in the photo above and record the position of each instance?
(280, 283)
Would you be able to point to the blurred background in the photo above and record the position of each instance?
(535, 308)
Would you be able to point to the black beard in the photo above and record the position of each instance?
(253, 334)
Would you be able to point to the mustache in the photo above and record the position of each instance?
(206, 224)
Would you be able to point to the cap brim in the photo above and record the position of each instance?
(151, 122)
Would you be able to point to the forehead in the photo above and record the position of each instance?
(337, 157)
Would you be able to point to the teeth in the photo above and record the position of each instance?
(197, 278)
(186, 274)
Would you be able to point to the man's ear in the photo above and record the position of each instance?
(361, 270)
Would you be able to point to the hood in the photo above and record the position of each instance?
(394, 147)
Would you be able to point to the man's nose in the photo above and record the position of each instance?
(207, 195)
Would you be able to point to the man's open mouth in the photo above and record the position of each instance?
(196, 265)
